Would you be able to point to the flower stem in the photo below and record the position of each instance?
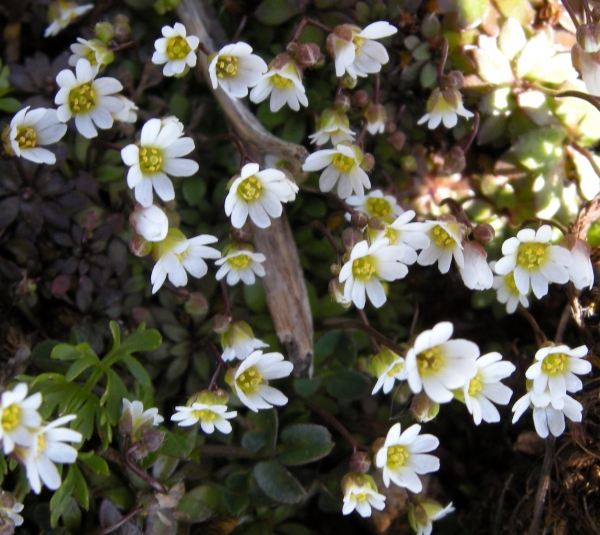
(226, 298)
(543, 485)
(240, 29)
(142, 473)
(539, 335)
(371, 332)
(339, 251)
(473, 133)
(121, 522)
(365, 320)
(311, 22)
(443, 58)
(213, 382)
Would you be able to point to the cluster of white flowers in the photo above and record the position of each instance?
(35, 444)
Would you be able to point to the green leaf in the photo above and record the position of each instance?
(235, 496)
(307, 387)
(263, 433)
(137, 370)
(141, 340)
(347, 384)
(338, 344)
(71, 352)
(200, 503)
(277, 483)
(80, 489)
(175, 446)
(80, 366)
(254, 296)
(86, 416)
(9, 104)
(194, 189)
(60, 501)
(113, 396)
(115, 330)
(276, 12)
(304, 443)
(95, 463)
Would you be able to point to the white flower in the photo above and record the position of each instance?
(360, 493)
(48, 448)
(89, 100)
(585, 57)
(209, 416)
(394, 371)
(476, 273)
(403, 456)
(9, 511)
(486, 387)
(127, 113)
(532, 258)
(258, 194)
(19, 417)
(138, 419)
(581, 271)
(235, 69)
(28, 130)
(355, 51)
(62, 13)
(176, 50)
(404, 230)
(556, 368)
(376, 204)
(444, 106)
(334, 125)
(507, 291)
(238, 341)
(242, 264)
(342, 166)
(158, 155)
(176, 255)
(445, 243)
(95, 51)
(438, 365)
(150, 222)
(376, 118)
(283, 82)
(368, 265)
(548, 413)
(426, 511)
(250, 380)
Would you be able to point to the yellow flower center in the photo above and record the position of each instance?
(281, 82)
(359, 497)
(362, 268)
(396, 457)
(379, 207)
(430, 360)
(509, 281)
(90, 55)
(343, 163)
(181, 256)
(178, 48)
(227, 66)
(531, 255)
(26, 137)
(441, 238)
(397, 368)
(390, 234)
(250, 381)
(475, 386)
(240, 261)
(250, 189)
(82, 98)
(205, 415)
(555, 363)
(41, 444)
(150, 160)
(358, 43)
(11, 417)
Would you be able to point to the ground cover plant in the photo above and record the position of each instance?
(293, 267)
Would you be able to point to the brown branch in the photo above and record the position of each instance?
(142, 474)
(370, 332)
(543, 485)
(121, 522)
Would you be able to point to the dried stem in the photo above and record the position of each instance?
(539, 335)
(443, 58)
(458, 211)
(543, 485)
(310, 22)
(121, 522)
(142, 473)
(213, 382)
(339, 251)
(365, 320)
(226, 302)
(376, 82)
(564, 320)
(473, 133)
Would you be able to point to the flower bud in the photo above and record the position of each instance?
(150, 222)
(378, 444)
(221, 323)
(335, 269)
(390, 128)
(122, 29)
(409, 163)
(307, 55)
(423, 409)
(196, 304)
(484, 233)
(342, 102)
(360, 462)
(280, 61)
(360, 98)
(455, 161)
(376, 118)
(368, 162)
(376, 223)
(359, 220)
(138, 246)
(397, 139)
(152, 439)
(336, 291)
(350, 237)
(588, 37)
(349, 83)
(455, 79)
(104, 31)
(430, 27)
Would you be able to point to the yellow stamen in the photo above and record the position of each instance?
(430, 360)
(11, 417)
(475, 386)
(396, 457)
(227, 66)
(343, 163)
(250, 381)
(240, 261)
(150, 160)
(441, 238)
(362, 268)
(531, 255)
(554, 364)
(250, 189)
(378, 207)
(82, 98)
(178, 48)
(281, 82)
(26, 137)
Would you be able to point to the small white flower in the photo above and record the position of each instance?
(235, 69)
(139, 418)
(584, 55)
(444, 106)
(127, 114)
(29, 130)
(438, 365)
(91, 101)
(376, 117)
(9, 510)
(532, 258)
(62, 13)
(334, 125)
(48, 448)
(394, 371)
(581, 271)
(158, 155)
(250, 380)
(476, 273)
(376, 204)
(548, 413)
(176, 255)
(243, 264)
(507, 291)
(209, 416)
(258, 194)
(95, 51)
(486, 387)
(368, 265)
(356, 52)
(426, 511)
(342, 166)
(404, 230)
(150, 222)
(238, 341)
(360, 493)
(445, 243)
(176, 50)
(556, 368)
(283, 82)
(403, 456)
(18, 417)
